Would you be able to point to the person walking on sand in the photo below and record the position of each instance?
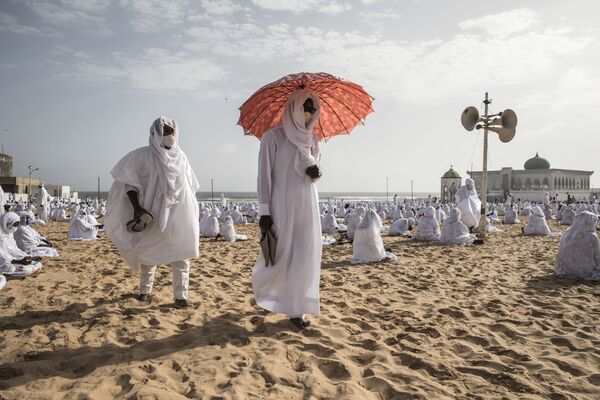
(288, 166)
(156, 186)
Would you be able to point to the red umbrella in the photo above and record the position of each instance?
(343, 104)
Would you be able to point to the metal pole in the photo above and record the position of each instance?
(98, 189)
(29, 197)
(387, 200)
(484, 187)
(212, 192)
(412, 196)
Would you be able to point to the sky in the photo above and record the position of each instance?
(82, 81)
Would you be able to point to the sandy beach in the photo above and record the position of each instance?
(480, 322)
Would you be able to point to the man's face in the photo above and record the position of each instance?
(167, 130)
(309, 111)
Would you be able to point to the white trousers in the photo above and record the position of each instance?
(181, 278)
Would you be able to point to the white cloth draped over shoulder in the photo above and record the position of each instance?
(166, 187)
(367, 246)
(80, 228)
(469, 204)
(579, 250)
(7, 231)
(354, 221)
(454, 231)
(289, 196)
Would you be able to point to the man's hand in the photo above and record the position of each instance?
(314, 172)
(265, 223)
(138, 212)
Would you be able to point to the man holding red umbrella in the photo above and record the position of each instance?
(288, 166)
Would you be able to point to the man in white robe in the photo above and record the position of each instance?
(330, 224)
(43, 203)
(469, 204)
(80, 228)
(30, 241)
(579, 250)
(289, 207)
(227, 231)
(14, 261)
(568, 215)
(156, 179)
(400, 227)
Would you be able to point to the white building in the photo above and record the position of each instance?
(534, 181)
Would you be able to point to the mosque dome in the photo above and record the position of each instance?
(537, 162)
(451, 173)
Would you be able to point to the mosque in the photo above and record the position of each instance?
(531, 183)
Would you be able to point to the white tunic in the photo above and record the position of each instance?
(291, 285)
(180, 238)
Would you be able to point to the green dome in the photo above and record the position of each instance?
(451, 173)
(537, 162)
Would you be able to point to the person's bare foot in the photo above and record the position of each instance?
(300, 323)
(144, 297)
(182, 303)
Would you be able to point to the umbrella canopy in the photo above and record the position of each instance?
(343, 104)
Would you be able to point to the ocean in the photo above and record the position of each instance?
(323, 196)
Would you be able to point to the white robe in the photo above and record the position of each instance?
(29, 240)
(454, 231)
(291, 285)
(354, 222)
(400, 228)
(469, 204)
(43, 206)
(329, 224)
(180, 238)
(428, 228)
(537, 225)
(80, 229)
(579, 250)
(367, 246)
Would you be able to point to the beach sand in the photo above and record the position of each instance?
(486, 321)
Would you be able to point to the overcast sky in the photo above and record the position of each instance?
(82, 80)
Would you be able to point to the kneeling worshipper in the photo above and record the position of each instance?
(510, 215)
(537, 225)
(210, 226)
(579, 250)
(155, 190)
(61, 215)
(454, 231)
(80, 228)
(13, 261)
(227, 231)
(330, 225)
(2, 282)
(400, 227)
(288, 166)
(354, 221)
(428, 228)
(568, 215)
(367, 246)
(469, 204)
(30, 241)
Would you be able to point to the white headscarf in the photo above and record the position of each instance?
(298, 133)
(170, 165)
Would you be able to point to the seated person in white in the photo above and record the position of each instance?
(579, 250)
(61, 215)
(211, 226)
(440, 215)
(330, 225)
(81, 229)
(536, 225)
(237, 217)
(428, 228)
(548, 212)
(30, 241)
(568, 215)
(469, 204)
(354, 221)
(368, 245)
(510, 215)
(400, 227)
(13, 261)
(227, 231)
(454, 231)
